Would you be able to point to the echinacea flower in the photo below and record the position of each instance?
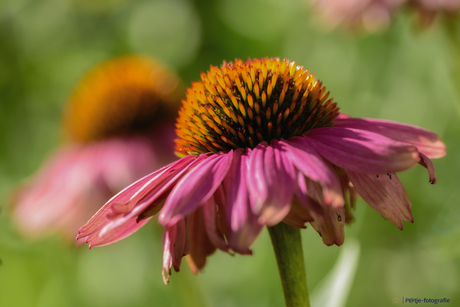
(262, 143)
(373, 15)
(429, 8)
(119, 123)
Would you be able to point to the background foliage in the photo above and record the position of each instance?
(404, 73)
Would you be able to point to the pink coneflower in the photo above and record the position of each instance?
(119, 123)
(262, 143)
(429, 8)
(373, 15)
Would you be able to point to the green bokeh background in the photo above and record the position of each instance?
(404, 74)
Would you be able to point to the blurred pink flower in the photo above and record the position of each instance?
(373, 15)
(105, 152)
(429, 8)
(263, 144)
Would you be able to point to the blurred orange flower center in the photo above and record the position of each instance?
(127, 94)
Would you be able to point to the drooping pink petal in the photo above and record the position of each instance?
(298, 215)
(312, 165)
(174, 247)
(276, 173)
(210, 212)
(350, 194)
(121, 201)
(426, 163)
(243, 226)
(195, 188)
(115, 234)
(330, 225)
(119, 209)
(348, 188)
(328, 221)
(301, 189)
(256, 177)
(152, 202)
(384, 193)
(362, 151)
(426, 141)
(200, 245)
(143, 190)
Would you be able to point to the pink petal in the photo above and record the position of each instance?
(426, 163)
(124, 206)
(243, 226)
(273, 191)
(349, 193)
(348, 189)
(115, 234)
(328, 221)
(301, 192)
(312, 165)
(426, 141)
(200, 245)
(330, 225)
(362, 151)
(210, 212)
(195, 188)
(146, 189)
(174, 246)
(384, 193)
(256, 177)
(298, 215)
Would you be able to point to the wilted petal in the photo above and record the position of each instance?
(243, 226)
(426, 163)
(384, 193)
(327, 220)
(362, 151)
(312, 165)
(210, 213)
(195, 188)
(350, 195)
(200, 245)
(298, 215)
(330, 225)
(174, 246)
(426, 141)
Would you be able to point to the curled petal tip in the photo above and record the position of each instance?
(166, 274)
(428, 164)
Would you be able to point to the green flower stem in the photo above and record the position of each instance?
(289, 256)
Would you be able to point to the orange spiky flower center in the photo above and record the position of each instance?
(124, 95)
(242, 104)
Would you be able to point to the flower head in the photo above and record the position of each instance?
(119, 123)
(263, 143)
(242, 104)
(127, 95)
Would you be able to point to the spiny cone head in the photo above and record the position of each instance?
(127, 94)
(242, 104)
